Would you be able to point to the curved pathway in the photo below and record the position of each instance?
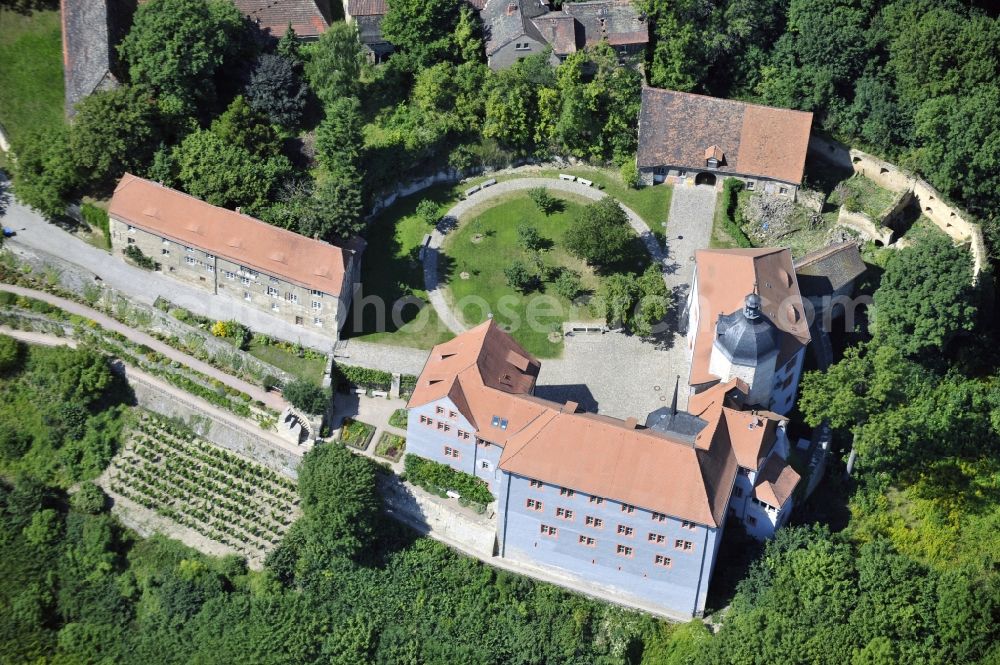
(431, 277)
(273, 400)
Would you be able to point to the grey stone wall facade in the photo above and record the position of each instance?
(680, 176)
(295, 304)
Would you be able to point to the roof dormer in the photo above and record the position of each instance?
(714, 157)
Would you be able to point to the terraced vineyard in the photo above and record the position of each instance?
(221, 496)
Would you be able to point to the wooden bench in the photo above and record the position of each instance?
(566, 176)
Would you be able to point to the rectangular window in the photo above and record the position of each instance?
(685, 545)
(209, 267)
(451, 452)
(131, 241)
(318, 322)
(244, 280)
(210, 257)
(625, 530)
(626, 508)
(246, 295)
(229, 275)
(588, 541)
(484, 464)
(318, 294)
(165, 252)
(452, 415)
(566, 492)
(750, 185)
(751, 520)
(691, 526)
(189, 249)
(656, 537)
(661, 560)
(535, 483)
(439, 410)
(273, 292)
(624, 550)
(462, 434)
(659, 517)
(274, 307)
(533, 504)
(595, 522)
(291, 297)
(189, 260)
(549, 531)
(563, 513)
(131, 229)
(596, 500)
(317, 304)
(738, 492)
(274, 280)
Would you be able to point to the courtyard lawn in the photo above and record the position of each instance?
(31, 74)
(859, 194)
(650, 203)
(391, 270)
(308, 367)
(486, 242)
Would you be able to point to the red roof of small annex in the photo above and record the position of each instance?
(366, 7)
(150, 206)
(274, 16)
(776, 482)
(677, 129)
(724, 278)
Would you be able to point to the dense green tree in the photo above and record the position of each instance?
(276, 90)
(925, 297)
(339, 139)
(339, 501)
(175, 47)
(468, 36)
(601, 234)
(306, 396)
(678, 56)
(425, 28)
(333, 67)
(241, 126)
(519, 277)
(11, 354)
(638, 303)
(227, 175)
(45, 175)
(114, 131)
(89, 499)
(14, 442)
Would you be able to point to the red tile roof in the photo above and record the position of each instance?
(366, 7)
(239, 238)
(724, 278)
(679, 128)
(274, 16)
(776, 482)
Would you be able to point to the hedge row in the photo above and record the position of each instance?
(436, 477)
(731, 213)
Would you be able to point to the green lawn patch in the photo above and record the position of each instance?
(391, 271)
(31, 74)
(390, 446)
(399, 418)
(859, 194)
(486, 242)
(308, 366)
(356, 434)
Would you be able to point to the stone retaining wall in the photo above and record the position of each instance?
(239, 440)
(885, 174)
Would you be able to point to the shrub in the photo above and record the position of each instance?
(519, 277)
(547, 203)
(438, 478)
(630, 174)
(234, 331)
(428, 211)
(529, 238)
(270, 382)
(567, 284)
(399, 418)
(731, 214)
(601, 235)
(362, 377)
(135, 254)
(89, 499)
(306, 396)
(97, 218)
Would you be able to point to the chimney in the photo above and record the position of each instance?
(630, 422)
(570, 407)
(239, 210)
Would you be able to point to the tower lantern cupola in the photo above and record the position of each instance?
(751, 306)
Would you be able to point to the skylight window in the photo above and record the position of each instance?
(496, 421)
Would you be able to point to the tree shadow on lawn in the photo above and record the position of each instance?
(634, 262)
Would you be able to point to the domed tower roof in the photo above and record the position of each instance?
(746, 336)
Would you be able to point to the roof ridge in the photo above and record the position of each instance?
(724, 99)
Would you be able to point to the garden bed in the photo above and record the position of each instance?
(356, 434)
(399, 418)
(390, 446)
(439, 478)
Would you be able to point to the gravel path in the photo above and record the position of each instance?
(451, 218)
(273, 400)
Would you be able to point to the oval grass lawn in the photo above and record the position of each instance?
(486, 242)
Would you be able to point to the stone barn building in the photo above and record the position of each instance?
(299, 280)
(91, 32)
(688, 138)
(308, 18)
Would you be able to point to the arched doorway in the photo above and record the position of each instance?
(705, 179)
